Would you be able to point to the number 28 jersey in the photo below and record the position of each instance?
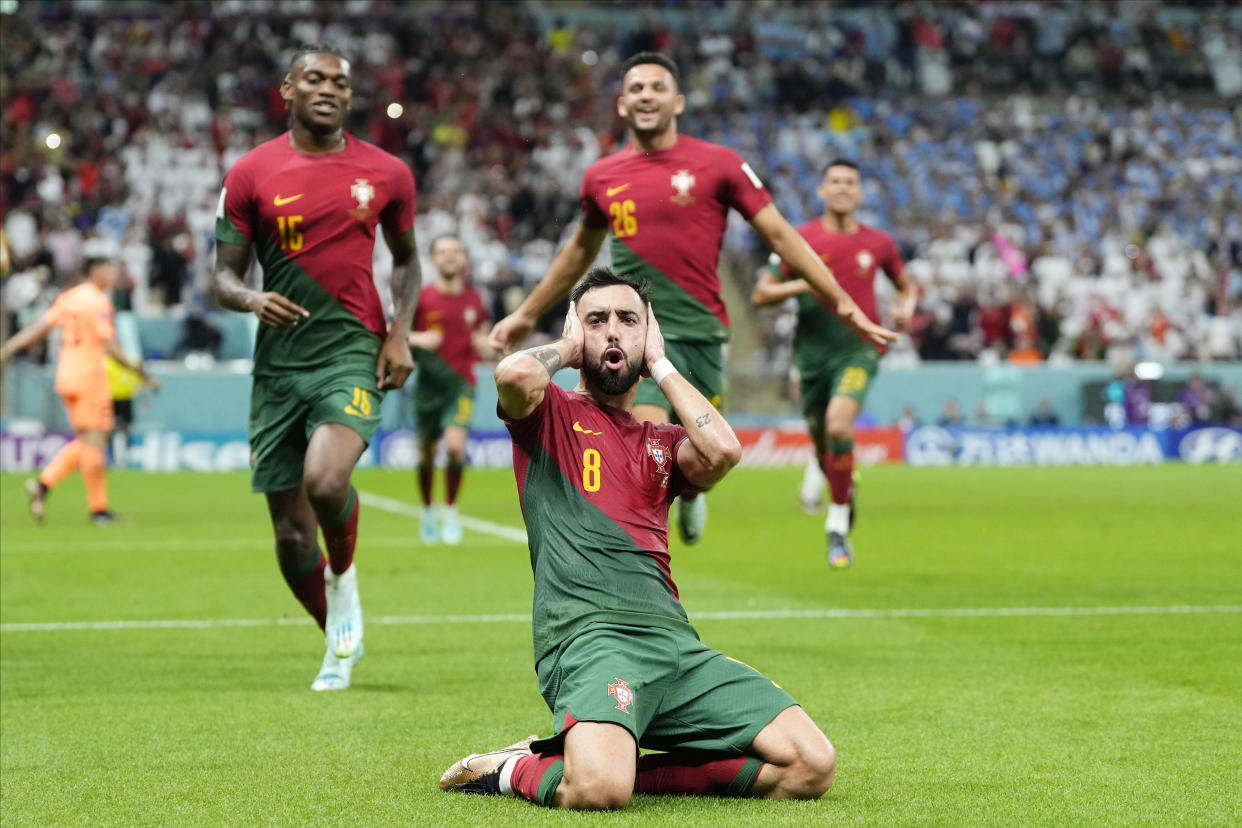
(595, 487)
(311, 219)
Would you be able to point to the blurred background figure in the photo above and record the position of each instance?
(84, 315)
(449, 338)
(1044, 414)
(950, 414)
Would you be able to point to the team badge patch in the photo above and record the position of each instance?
(362, 192)
(865, 261)
(683, 182)
(660, 454)
(621, 691)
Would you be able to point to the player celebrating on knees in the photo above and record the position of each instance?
(619, 664)
(308, 202)
(665, 199)
(450, 334)
(835, 366)
(84, 315)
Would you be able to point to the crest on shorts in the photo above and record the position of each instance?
(683, 182)
(621, 691)
(660, 454)
(362, 192)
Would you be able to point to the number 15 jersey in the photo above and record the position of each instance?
(311, 219)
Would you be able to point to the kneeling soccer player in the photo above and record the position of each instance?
(619, 664)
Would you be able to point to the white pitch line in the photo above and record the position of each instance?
(746, 615)
(401, 508)
(265, 542)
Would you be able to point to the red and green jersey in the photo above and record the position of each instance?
(311, 220)
(595, 487)
(456, 316)
(666, 212)
(854, 258)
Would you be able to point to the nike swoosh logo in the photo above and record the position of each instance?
(612, 191)
(577, 427)
(281, 202)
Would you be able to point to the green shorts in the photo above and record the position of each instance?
(667, 689)
(848, 375)
(700, 362)
(440, 403)
(285, 410)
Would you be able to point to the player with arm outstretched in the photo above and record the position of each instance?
(665, 199)
(308, 204)
(84, 315)
(618, 662)
(835, 366)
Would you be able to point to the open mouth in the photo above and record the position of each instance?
(323, 108)
(614, 358)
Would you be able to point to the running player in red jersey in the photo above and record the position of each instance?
(619, 664)
(450, 334)
(665, 199)
(85, 316)
(836, 367)
(308, 203)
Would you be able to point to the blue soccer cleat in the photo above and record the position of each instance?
(840, 553)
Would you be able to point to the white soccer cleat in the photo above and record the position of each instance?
(811, 492)
(691, 518)
(36, 491)
(465, 774)
(335, 672)
(428, 531)
(450, 526)
(343, 630)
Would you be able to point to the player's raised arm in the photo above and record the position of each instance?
(713, 448)
(395, 362)
(229, 291)
(26, 337)
(794, 250)
(522, 378)
(571, 262)
(770, 290)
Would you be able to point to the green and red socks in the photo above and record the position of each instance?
(679, 773)
(340, 534)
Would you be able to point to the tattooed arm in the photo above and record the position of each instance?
(522, 377)
(712, 449)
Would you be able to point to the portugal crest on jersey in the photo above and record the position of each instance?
(683, 182)
(661, 455)
(362, 192)
(865, 261)
(621, 691)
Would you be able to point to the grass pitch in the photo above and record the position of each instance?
(1011, 647)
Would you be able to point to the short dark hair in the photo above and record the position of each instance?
(658, 58)
(598, 277)
(841, 162)
(441, 238)
(92, 262)
(315, 49)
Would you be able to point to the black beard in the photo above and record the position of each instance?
(611, 383)
(659, 128)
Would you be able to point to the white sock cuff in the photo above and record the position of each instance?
(506, 775)
(838, 518)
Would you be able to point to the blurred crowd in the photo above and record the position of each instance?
(1063, 178)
